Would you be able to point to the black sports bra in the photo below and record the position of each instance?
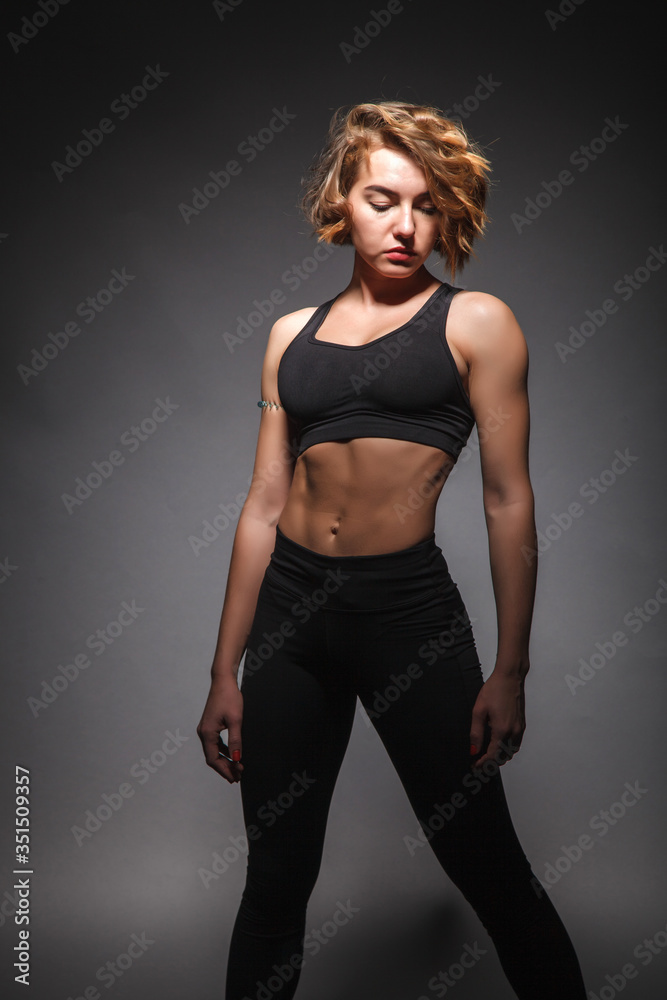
(404, 384)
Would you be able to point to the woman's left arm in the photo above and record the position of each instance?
(498, 373)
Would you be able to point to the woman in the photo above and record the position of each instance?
(337, 588)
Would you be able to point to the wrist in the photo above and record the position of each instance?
(512, 668)
(222, 676)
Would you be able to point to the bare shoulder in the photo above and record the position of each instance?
(283, 332)
(484, 327)
(287, 327)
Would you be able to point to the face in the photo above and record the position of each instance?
(394, 221)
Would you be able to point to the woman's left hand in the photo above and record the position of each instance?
(500, 708)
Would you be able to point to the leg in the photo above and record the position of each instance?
(426, 732)
(298, 714)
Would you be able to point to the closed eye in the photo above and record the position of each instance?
(384, 208)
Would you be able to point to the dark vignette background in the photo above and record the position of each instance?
(154, 867)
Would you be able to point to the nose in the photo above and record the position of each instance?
(405, 224)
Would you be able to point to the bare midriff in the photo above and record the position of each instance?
(364, 496)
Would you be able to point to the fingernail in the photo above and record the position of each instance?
(473, 749)
(236, 755)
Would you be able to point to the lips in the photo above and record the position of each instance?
(402, 250)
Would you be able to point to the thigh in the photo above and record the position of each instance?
(419, 687)
(298, 710)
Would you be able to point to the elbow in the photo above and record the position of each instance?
(501, 498)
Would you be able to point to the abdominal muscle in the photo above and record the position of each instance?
(364, 496)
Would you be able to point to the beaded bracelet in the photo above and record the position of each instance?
(263, 402)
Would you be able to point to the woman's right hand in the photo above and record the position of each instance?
(223, 710)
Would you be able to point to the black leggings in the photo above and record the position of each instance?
(391, 629)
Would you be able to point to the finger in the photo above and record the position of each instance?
(229, 768)
(211, 743)
(477, 728)
(500, 751)
(235, 744)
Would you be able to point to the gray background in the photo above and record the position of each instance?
(67, 574)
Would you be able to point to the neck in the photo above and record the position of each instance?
(372, 287)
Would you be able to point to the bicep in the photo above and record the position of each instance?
(499, 397)
(274, 456)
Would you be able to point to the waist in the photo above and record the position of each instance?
(361, 582)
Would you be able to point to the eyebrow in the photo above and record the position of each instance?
(389, 192)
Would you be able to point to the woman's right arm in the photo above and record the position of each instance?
(254, 542)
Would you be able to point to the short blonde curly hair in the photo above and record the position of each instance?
(455, 169)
